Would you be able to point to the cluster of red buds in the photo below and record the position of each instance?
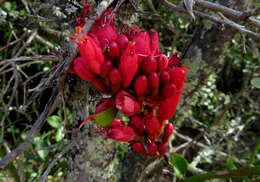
(144, 84)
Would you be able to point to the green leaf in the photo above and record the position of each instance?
(40, 143)
(59, 134)
(7, 6)
(179, 163)
(106, 117)
(255, 151)
(230, 164)
(256, 82)
(54, 121)
(22, 13)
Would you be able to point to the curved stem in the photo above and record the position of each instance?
(249, 171)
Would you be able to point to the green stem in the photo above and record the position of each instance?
(249, 171)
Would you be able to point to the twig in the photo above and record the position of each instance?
(249, 171)
(34, 130)
(29, 40)
(32, 58)
(14, 42)
(229, 12)
(238, 27)
(56, 158)
(199, 144)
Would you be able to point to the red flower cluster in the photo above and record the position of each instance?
(144, 84)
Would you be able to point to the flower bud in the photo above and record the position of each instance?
(168, 131)
(139, 148)
(149, 65)
(153, 127)
(165, 76)
(113, 50)
(168, 90)
(162, 148)
(152, 149)
(137, 123)
(122, 41)
(128, 65)
(154, 80)
(106, 68)
(115, 77)
(163, 62)
(92, 53)
(127, 104)
(123, 134)
(141, 85)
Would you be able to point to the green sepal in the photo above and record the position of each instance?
(106, 117)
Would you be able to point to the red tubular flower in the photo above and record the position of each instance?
(162, 148)
(122, 41)
(142, 43)
(128, 65)
(149, 65)
(152, 149)
(113, 50)
(137, 123)
(106, 68)
(168, 131)
(178, 76)
(83, 71)
(168, 90)
(126, 103)
(153, 127)
(141, 85)
(167, 107)
(123, 134)
(155, 47)
(91, 53)
(163, 62)
(139, 148)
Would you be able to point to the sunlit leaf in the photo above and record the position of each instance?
(59, 134)
(256, 82)
(179, 163)
(54, 121)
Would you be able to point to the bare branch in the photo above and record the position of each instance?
(34, 130)
(229, 12)
(222, 20)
